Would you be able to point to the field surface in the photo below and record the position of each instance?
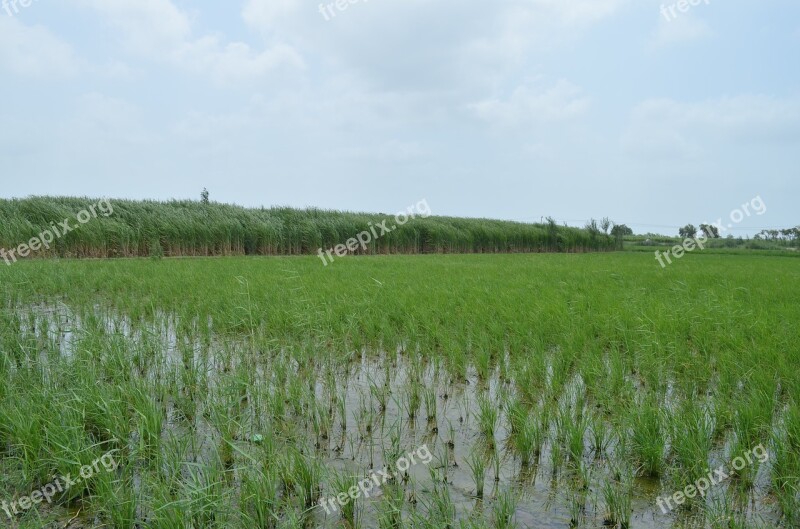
(537, 390)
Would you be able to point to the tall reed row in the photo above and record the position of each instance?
(187, 228)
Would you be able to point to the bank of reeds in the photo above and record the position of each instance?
(188, 228)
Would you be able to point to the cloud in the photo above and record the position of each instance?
(34, 51)
(266, 14)
(664, 127)
(535, 102)
(683, 29)
(392, 151)
(580, 11)
(235, 61)
(146, 26)
(466, 43)
(158, 30)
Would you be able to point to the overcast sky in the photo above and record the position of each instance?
(511, 109)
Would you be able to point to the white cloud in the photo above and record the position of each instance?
(581, 11)
(393, 151)
(683, 29)
(107, 118)
(533, 102)
(664, 127)
(147, 26)
(34, 51)
(265, 14)
(235, 61)
(519, 27)
(159, 30)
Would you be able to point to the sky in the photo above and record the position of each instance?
(651, 113)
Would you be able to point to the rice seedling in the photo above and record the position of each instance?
(488, 416)
(390, 509)
(116, 500)
(259, 497)
(517, 415)
(503, 509)
(528, 441)
(341, 483)
(575, 438)
(205, 498)
(601, 434)
(150, 416)
(477, 465)
(413, 398)
(440, 512)
(617, 492)
(577, 496)
(692, 432)
(430, 404)
(648, 441)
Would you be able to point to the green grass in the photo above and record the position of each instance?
(235, 390)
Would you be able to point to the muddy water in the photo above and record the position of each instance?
(359, 444)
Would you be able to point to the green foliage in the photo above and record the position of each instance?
(188, 228)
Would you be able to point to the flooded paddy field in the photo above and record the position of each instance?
(547, 391)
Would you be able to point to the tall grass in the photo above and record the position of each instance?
(188, 228)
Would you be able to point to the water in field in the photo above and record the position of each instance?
(237, 402)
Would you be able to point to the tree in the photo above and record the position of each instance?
(688, 232)
(621, 230)
(605, 224)
(204, 196)
(709, 231)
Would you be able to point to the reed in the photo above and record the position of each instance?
(188, 228)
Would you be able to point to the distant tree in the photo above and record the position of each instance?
(688, 232)
(204, 196)
(710, 232)
(621, 230)
(605, 224)
(789, 234)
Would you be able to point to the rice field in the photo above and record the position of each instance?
(535, 390)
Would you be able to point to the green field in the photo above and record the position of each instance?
(552, 390)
